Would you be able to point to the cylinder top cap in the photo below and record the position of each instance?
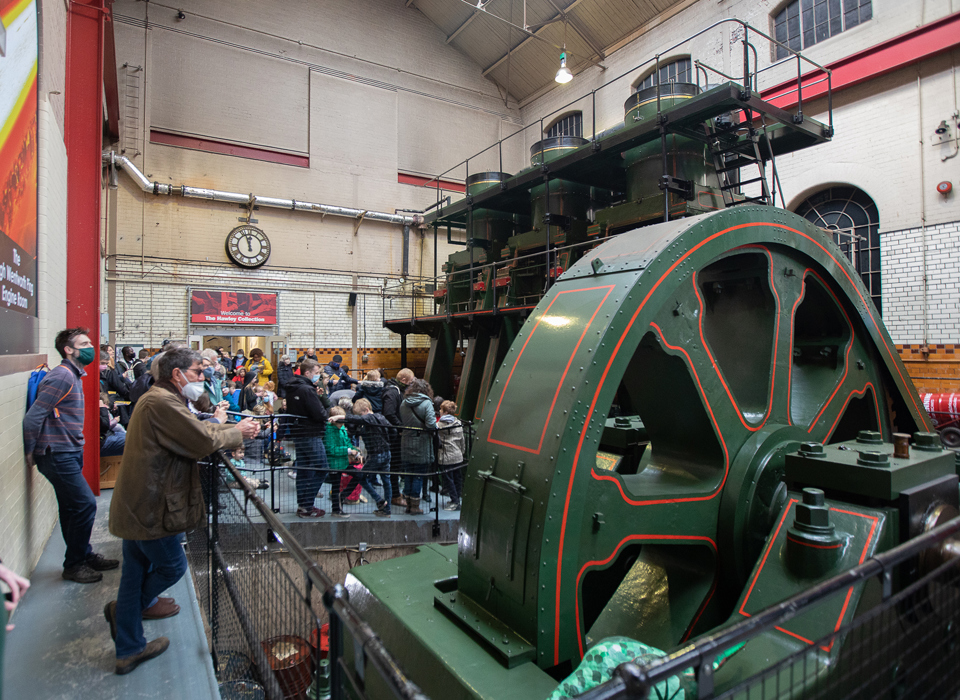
(480, 181)
(666, 90)
(554, 147)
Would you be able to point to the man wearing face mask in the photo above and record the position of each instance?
(53, 440)
(304, 400)
(158, 496)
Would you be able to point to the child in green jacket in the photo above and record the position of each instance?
(339, 451)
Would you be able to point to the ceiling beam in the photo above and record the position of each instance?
(530, 37)
(575, 25)
(466, 23)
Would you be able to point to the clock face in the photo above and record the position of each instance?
(248, 246)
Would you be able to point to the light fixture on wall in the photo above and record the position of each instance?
(942, 129)
(563, 75)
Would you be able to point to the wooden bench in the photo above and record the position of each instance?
(109, 469)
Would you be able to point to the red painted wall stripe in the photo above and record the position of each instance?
(405, 179)
(195, 143)
(913, 46)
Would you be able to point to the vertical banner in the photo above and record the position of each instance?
(18, 176)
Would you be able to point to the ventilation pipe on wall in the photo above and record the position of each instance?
(158, 188)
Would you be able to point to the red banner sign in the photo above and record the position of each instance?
(233, 308)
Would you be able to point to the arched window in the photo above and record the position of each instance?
(567, 125)
(678, 71)
(803, 23)
(851, 216)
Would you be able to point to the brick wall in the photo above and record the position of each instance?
(313, 307)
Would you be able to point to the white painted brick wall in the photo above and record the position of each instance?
(313, 307)
(901, 255)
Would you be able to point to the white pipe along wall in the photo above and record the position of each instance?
(114, 159)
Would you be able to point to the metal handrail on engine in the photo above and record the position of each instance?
(335, 599)
(747, 27)
(630, 680)
(500, 263)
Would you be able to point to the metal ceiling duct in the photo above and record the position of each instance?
(115, 160)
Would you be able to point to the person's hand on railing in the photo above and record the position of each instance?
(249, 428)
(221, 411)
(18, 586)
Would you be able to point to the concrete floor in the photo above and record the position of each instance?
(61, 646)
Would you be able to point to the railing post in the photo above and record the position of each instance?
(212, 542)
(336, 644)
(746, 61)
(799, 117)
(273, 469)
(436, 470)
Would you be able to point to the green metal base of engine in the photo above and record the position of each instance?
(399, 600)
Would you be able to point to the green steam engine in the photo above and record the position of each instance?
(658, 366)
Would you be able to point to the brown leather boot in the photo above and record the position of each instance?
(413, 506)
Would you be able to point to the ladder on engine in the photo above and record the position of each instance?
(730, 155)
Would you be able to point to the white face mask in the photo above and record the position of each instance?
(192, 391)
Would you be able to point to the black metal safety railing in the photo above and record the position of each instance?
(294, 473)
(905, 647)
(410, 301)
(278, 624)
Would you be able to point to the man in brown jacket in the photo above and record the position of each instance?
(158, 496)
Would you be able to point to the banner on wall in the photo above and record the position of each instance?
(233, 308)
(18, 176)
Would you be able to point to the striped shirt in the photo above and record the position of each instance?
(55, 420)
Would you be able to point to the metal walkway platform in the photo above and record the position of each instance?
(61, 646)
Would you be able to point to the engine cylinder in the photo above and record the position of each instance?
(687, 158)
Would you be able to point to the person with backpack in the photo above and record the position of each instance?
(53, 441)
(139, 365)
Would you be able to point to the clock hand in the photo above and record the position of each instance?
(250, 243)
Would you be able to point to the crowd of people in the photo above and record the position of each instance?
(163, 413)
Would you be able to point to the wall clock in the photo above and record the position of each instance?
(248, 246)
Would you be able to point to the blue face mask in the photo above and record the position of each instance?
(208, 372)
(315, 378)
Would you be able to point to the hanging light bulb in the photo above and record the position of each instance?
(563, 75)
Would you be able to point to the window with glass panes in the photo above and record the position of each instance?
(851, 218)
(570, 125)
(674, 72)
(803, 23)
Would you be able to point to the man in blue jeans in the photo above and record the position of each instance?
(53, 440)
(158, 496)
(305, 398)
